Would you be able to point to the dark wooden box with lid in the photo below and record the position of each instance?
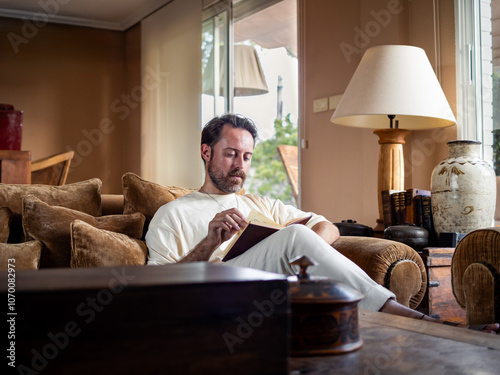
(178, 319)
(439, 300)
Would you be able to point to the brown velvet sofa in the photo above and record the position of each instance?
(76, 226)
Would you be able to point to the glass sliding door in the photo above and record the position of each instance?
(495, 39)
(250, 67)
(216, 97)
(477, 73)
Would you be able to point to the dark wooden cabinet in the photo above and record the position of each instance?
(15, 167)
(439, 300)
(193, 318)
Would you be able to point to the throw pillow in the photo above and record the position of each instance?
(146, 197)
(51, 225)
(83, 196)
(5, 215)
(25, 256)
(93, 247)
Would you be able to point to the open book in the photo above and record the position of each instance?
(258, 228)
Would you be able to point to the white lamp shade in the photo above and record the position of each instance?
(248, 75)
(394, 80)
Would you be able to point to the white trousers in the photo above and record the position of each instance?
(275, 252)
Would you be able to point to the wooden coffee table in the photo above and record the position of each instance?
(397, 345)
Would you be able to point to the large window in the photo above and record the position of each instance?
(478, 69)
(495, 38)
(216, 97)
(250, 67)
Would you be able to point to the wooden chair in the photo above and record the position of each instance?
(52, 170)
(290, 158)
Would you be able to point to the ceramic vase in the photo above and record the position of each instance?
(463, 190)
(11, 128)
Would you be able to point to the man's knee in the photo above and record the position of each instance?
(297, 234)
(298, 230)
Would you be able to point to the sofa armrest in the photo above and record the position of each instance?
(392, 264)
(475, 275)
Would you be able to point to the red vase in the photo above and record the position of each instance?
(11, 127)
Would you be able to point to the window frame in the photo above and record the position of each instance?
(474, 68)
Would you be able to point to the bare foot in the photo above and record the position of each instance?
(393, 307)
(493, 328)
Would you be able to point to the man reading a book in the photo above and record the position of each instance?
(200, 225)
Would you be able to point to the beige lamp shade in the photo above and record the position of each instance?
(394, 80)
(249, 77)
(248, 74)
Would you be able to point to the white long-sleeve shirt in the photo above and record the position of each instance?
(178, 226)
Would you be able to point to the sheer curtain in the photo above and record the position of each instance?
(171, 86)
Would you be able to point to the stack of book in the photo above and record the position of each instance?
(411, 206)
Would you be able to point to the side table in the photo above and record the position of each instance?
(15, 167)
(439, 300)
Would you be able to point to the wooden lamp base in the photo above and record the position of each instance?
(391, 170)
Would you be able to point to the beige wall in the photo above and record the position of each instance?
(75, 86)
(67, 80)
(171, 127)
(339, 165)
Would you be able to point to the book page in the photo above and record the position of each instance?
(300, 220)
(257, 218)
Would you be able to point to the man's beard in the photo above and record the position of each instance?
(223, 182)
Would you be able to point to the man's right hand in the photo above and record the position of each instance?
(222, 227)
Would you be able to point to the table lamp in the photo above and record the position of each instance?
(249, 76)
(394, 89)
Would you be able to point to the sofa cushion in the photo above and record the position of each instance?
(146, 197)
(93, 247)
(26, 255)
(83, 196)
(51, 225)
(5, 216)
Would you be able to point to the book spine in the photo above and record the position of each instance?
(426, 213)
(402, 207)
(394, 209)
(417, 201)
(398, 208)
(386, 208)
(428, 221)
(410, 208)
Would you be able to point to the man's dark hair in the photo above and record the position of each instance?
(212, 131)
